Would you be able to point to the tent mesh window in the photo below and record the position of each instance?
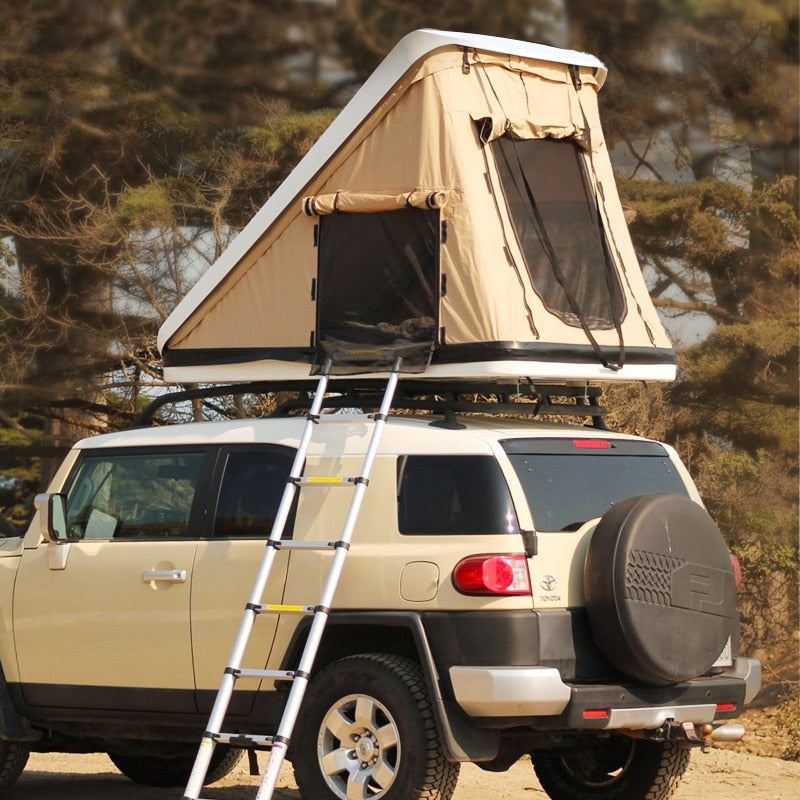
(558, 225)
(377, 288)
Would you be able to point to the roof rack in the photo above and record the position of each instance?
(447, 399)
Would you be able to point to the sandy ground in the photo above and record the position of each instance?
(717, 775)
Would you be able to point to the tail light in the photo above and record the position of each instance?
(495, 574)
(591, 444)
(737, 570)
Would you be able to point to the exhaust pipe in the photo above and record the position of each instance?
(729, 732)
(707, 733)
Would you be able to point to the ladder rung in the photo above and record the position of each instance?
(242, 739)
(325, 481)
(283, 674)
(295, 544)
(279, 608)
(340, 418)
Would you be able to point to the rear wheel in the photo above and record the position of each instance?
(613, 768)
(367, 731)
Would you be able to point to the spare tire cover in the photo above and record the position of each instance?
(660, 590)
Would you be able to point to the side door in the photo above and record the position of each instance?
(106, 625)
(250, 481)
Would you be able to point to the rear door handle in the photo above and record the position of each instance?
(164, 575)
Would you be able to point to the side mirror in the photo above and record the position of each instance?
(52, 510)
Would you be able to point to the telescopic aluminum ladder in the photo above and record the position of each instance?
(279, 742)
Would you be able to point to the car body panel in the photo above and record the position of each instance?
(100, 623)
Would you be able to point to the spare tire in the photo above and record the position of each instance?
(660, 590)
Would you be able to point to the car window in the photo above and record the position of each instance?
(452, 495)
(570, 481)
(133, 495)
(250, 493)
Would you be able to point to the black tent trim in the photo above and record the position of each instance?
(444, 354)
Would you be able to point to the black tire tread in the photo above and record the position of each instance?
(170, 772)
(674, 761)
(655, 777)
(13, 758)
(440, 776)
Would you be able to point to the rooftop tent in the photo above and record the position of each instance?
(461, 212)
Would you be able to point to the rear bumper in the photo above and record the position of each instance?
(537, 696)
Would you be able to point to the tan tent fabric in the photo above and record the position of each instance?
(344, 202)
(432, 129)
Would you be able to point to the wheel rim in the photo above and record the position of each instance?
(358, 748)
(598, 765)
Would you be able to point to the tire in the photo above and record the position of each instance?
(13, 757)
(367, 730)
(170, 772)
(659, 586)
(613, 768)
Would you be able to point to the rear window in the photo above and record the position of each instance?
(453, 495)
(570, 481)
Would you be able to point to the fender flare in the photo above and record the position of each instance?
(461, 740)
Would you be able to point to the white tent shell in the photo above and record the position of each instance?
(461, 211)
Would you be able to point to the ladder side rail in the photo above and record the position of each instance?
(298, 688)
(227, 683)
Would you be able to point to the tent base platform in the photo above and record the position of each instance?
(491, 371)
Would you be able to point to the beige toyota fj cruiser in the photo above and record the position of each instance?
(513, 587)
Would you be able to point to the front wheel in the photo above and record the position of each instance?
(168, 772)
(13, 757)
(613, 768)
(367, 730)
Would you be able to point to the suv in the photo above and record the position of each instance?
(513, 587)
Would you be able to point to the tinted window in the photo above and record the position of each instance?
(568, 482)
(453, 494)
(558, 226)
(250, 493)
(135, 495)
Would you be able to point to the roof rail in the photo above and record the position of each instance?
(448, 399)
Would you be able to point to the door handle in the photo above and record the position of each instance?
(164, 575)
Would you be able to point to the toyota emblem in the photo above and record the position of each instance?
(548, 582)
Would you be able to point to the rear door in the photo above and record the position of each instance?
(249, 481)
(569, 483)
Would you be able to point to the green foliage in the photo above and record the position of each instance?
(143, 207)
(287, 138)
(752, 498)
(686, 220)
(763, 11)
(161, 203)
(788, 719)
(733, 255)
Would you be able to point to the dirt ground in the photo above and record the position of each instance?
(742, 770)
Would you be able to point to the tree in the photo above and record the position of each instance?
(123, 135)
(706, 128)
(136, 138)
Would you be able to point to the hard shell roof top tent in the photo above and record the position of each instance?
(460, 211)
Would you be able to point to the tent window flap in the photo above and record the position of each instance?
(558, 226)
(378, 278)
